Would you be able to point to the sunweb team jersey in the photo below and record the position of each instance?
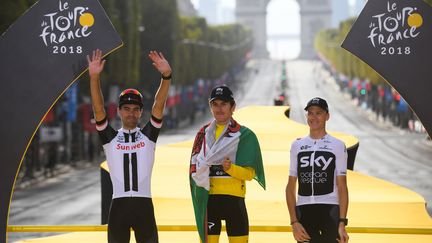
(316, 163)
(130, 157)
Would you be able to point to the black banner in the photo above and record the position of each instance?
(41, 55)
(395, 38)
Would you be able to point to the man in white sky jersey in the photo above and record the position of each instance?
(130, 153)
(318, 162)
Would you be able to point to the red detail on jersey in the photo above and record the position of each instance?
(199, 138)
(157, 122)
(233, 127)
(192, 169)
(130, 147)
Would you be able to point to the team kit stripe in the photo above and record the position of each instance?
(102, 126)
(134, 172)
(126, 172)
(156, 122)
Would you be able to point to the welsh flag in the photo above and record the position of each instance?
(237, 142)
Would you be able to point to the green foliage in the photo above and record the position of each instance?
(161, 26)
(124, 66)
(328, 41)
(10, 10)
(209, 51)
(193, 48)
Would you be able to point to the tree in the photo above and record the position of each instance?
(10, 10)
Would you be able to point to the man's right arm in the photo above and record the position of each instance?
(290, 195)
(96, 65)
(298, 230)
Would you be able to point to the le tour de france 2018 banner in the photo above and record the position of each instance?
(394, 37)
(41, 55)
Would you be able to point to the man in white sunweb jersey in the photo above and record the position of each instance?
(130, 153)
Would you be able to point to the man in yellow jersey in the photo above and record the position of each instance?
(224, 155)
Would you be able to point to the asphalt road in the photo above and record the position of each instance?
(385, 152)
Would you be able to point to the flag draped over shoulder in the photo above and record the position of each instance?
(238, 141)
(41, 55)
(395, 38)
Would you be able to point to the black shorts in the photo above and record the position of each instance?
(321, 221)
(132, 212)
(231, 209)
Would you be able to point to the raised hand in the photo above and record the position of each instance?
(95, 63)
(160, 63)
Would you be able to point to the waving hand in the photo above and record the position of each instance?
(160, 63)
(95, 63)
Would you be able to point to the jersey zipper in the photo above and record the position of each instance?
(130, 165)
(313, 172)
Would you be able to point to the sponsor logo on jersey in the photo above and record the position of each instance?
(130, 147)
(210, 225)
(320, 161)
(316, 172)
(304, 147)
(217, 171)
(315, 177)
(324, 147)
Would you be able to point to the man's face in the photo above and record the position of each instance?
(130, 115)
(317, 118)
(222, 111)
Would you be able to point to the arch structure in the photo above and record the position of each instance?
(253, 13)
(314, 16)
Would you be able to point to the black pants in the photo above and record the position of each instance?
(231, 209)
(132, 212)
(321, 222)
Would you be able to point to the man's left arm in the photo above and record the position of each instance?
(343, 206)
(343, 193)
(162, 65)
(239, 172)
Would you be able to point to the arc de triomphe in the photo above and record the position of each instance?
(314, 16)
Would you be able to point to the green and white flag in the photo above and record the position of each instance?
(239, 144)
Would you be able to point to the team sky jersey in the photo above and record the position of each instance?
(130, 157)
(316, 163)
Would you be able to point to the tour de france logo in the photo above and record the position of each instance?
(64, 25)
(390, 28)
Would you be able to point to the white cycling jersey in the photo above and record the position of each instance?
(130, 157)
(316, 163)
